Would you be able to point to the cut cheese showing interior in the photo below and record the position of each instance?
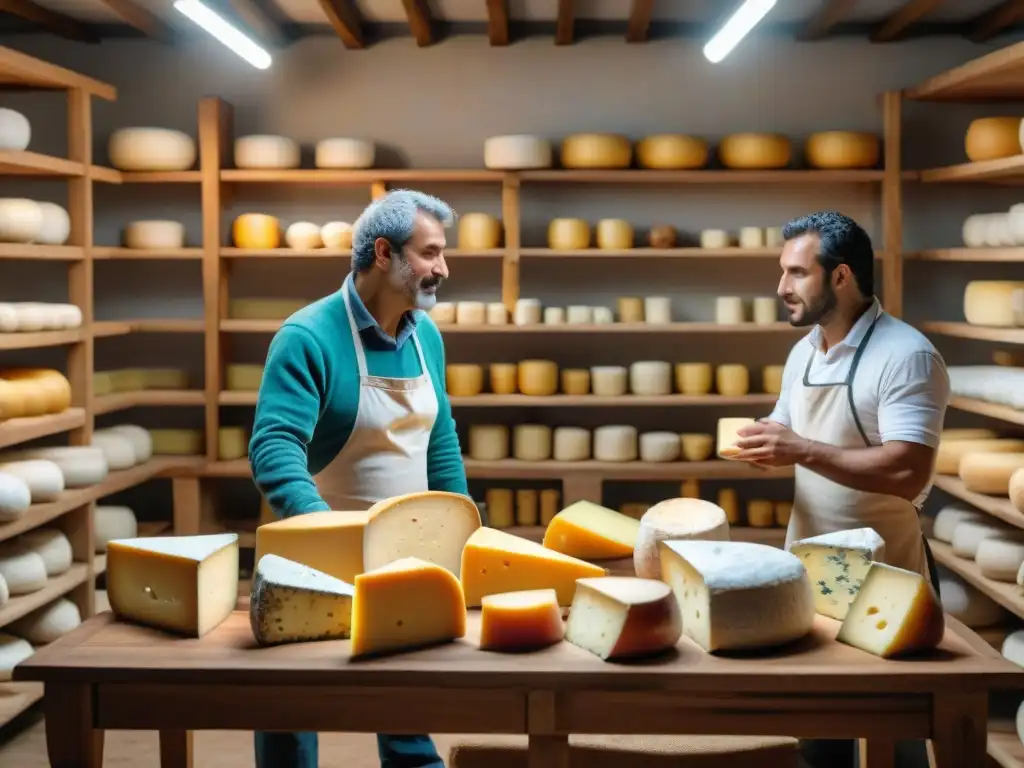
(494, 561)
(895, 612)
(331, 542)
(949, 517)
(617, 617)
(738, 595)
(591, 532)
(432, 526)
(185, 584)
(990, 472)
(728, 434)
(520, 621)
(293, 603)
(837, 563)
(406, 604)
(675, 519)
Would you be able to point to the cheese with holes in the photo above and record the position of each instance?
(408, 603)
(52, 545)
(341, 152)
(264, 151)
(596, 150)
(531, 442)
(517, 152)
(488, 442)
(23, 570)
(151, 149)
(837, 564)
(293, 603)
(755, 151)
(154, 234)
(591, 532)
(896, 612)
(47, 624)
(650, 377)
(568, 234)
(990, 472)
(609, 380)
(614, 234)
(620, 617)
(967, 604)
(736, 595)
(479, 232)
(183, 584)
(949, 517)
(538, 377)
(520, 621)
(998, 303)
(113, 521)
(969, 534)
(1000, 557)
(13, 651)
(494, 561)
(43, 478)
(672, 151)
(990, 138)
(615, 442)
(571, 444)
(841, 150)
(15, 497)
(683, 518)
(659, 447)
(728, 434)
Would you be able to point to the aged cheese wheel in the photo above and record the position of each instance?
(575, 381)
(614, 234)
(760, 513)
(990, 138)
(658, 310)
(728, 500)
(56, 226)
(783, 511)
(603, 316)
(504, 378)
(15, 497)
(968, 534)
(52, 545)
(673, 520)
(967, 604)
(997, 303)
(662, 236)
(659, 446)
(266, 151)
(630, 309)
(571, 444)
(443, 313)
(732, 380)
(549, 505)
(554, 315)
(951, 452)
(257, 231)
(672, 151)
(471, 313)
(609, 380)
(43, 478)
(577, 314)
(303, 236)
(773, 237)
(694, 378)
(113, 521)
(23, 569)
(596, 150)
(990, 472)
(342, 152)
(771, 379)
(141, 440)
(568, 234)
(488, 442)
(766, 310)
(13, 651)
(21, 220)
(81, 465)
(479, 232)
(117, 449)
(715, 238)
(15, 130)
(33, 391)
(337, 235)
(1000, 557)
(615, 442)
(696, 446)
(526, 312)
(151, 149)
(729, 310)
(690, 488)
(650, 377)
(949, 517)
(755, 151)
(531, 442)
(464, 379)
(232, 443)
(538, 377)
(517, 152)
(154, 233)
(751, 238)
(527, 507)
(49, 623)
(243, 377)
(497, 313)
(500, 512)
(835, 150)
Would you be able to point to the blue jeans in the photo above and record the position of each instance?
(300, 750)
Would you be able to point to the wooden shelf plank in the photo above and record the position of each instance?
(654, 253)
(20, 69)
(33, 252)
(997, 506)
(1006, 594)
(991, 410)
(15, 431)
(642, 176)
(108, 328)
(1005, 255)
(996, 76)
(15, 698)
(487, 400)
(39, 339)
(718, 469)
(121, 401)
(1005, 748)
(146, 254)
(1001, 170)
(976, 332)
(160, 177)
(26, 163)
(331, 253)
(234, 325)
(58, 586)
(359, 177)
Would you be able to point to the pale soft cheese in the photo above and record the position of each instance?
(675, 519)
(837, 563)
(293, 603)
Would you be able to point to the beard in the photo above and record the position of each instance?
(420, 291)
(814, 311)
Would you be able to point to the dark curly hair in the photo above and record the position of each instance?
(843, 241)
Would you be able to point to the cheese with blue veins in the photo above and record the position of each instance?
(837, 563)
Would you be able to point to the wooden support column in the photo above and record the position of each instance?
(892, 205)
(511, 220)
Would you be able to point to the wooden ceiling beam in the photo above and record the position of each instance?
(639, 21)
(421, 23)
(989, 24)
(57, 23)
(346, 20)
(497, 22)
(564, 25)
(262, 19)
(820, 25)
(897, 24)
(138, 17)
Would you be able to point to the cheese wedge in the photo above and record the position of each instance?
(184, 584)
(520, 621)
(331, 542)
(494, 561)
(837, 564)
(293, 603)
(728, 434)
(592, 532)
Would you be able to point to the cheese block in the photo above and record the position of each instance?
(47, 624)
(520, 621)
(15, 497)
(43, 478)
(672, 151)
(609, 380)
(949, 517)
(694, 378)
(696, 446)
(406, 604)
(151, 149)
(728, 434)
(732, 380)
(331, 542)
(591, 532)
(990, 138)
(257, 231)
(995, 303)
(23, 570)
(183, 584)
(13, 651)
(737, 595)
(595, 150)
(614, 234)
(531, 442)
(966, 603)
(500, 507)
(620, 617)
(571, 444)
(517, 152)
(52, 545)
(341, 152)
(293, 603)
(154, 234)
(990, 472)
(266, 151)
(615, 442)
(1000, 557)
(755, 151)
(837, 564)
(895, 612)
(488, 442)
(841, 150)
(675, 519)
(538, 378)
(494, 561)
(650, 378)
(568, 234)
(112, 521)
(659, 447)
(969, 534)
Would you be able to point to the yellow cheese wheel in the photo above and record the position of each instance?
(755, 151)
(951, 452)
(689, 488)
(631, 309)
(998, 303)
(538, 377)
(499, 508)
(990, 473)
(479, 232)
(835, 150)
(694, 378)
(464, 380)
(337, 234)
(596, 150)
(33, 392)
(771, 379)
(732, 379)
(989, 138)
(576, 381)
(671, 151)
(549, 504)
(614, 234)
(729, 502)
(696, 446)
(760, 513)
(527, 506)
(257, 231)
(568, 234)
(783, 511)
(504, 378)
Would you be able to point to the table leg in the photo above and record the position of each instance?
(960, 729)
(876, 753)
(548, 751)
(175, 749)
(71, 739)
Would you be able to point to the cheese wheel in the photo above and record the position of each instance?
(549, 505)
(538, 378)
(974, 230)
(52, 545)
(614, 234)
(659, 446)
(755, 151)
(568, 234)
(766, 310)
(443, 313)
(771, 379)
(650, 377)
(232, 443)
(527, 507)
(266, 151)
(81, 465)
(554, 316)
(998, 303)
(968, 433)
(340, 152)
(728, 434)
(13, 651)
(303, 236)
(596, 150)
(662, 237)
(579, 315)
(44, 480)
(337, 235)
(760, 513)
(968, 604)
(671, 520)
(464, 379)
(615, 442)
(177, 442)
(970, 533)
(696, 446)
(609, 380)
(531, 442)
(15, 497)
(1013, 647)
(517, 152)
(690, 488)
(21, 220)
(714, 238)
(1000, 557)
(56, 226)
(658, 310)
(602, 315)
(500, 512)
(113, 521)
(838, 150)
(151, 149)
(729, 310)
(526, 312)
(732, 380)
(33, 392)
(630, 309)
(694, 378)
(488, 442)
(471, 313)
(22, 569)
(497, 313)
(990, 138)
(15, 130)
(575, 381)
(256, 231)
(672, 151)
(243, 377)
(951, 452)
(783, 511)
(1016, 490)
(118, 450)
(751, 238)
(49, 623)
(990, 472)
(571, 444)
(479, 232)
(949, 517)
(504, 378)
(773, 237)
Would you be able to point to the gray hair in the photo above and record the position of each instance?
(393, 217)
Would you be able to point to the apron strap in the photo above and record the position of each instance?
(849, 381)
(419, 353)
(357, 339)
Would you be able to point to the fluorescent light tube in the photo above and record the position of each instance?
(736, 28)
(224, 31)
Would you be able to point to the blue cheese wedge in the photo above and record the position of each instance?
(837, 563)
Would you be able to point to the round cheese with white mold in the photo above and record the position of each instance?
(44, 479)
(527, 312)
(517, 152)
(675, 519)
(266, 151)
(15, 497)
(1000, 557)
(949, 517)
(615, 442)
(658, 310)
(609, 380)
(56, 226)
(113, 521)
(81, 465)
(531, 442)
(21, 220)
(15, 130)
(650, 378)
(488, 442)
(659, 447)
(1013, 647)
(142, 441)
(118, 450)
(49, 623)
(341, 152)
(571, 444)
(13, 651)
(23, 569)
(52, 545)
(969, 534)
(151, 149)
(968, 604)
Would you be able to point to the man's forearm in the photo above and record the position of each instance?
(877, 469)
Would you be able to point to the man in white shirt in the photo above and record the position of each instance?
(862, 405)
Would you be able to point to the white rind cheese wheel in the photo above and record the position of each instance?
(154, 234)
(969, 534)
(659, 447)
(991, 138)
(142, 441)
(21, 220)
(755, 151)
(571, 444)
(56, 226)
(1000, 557)
(615, 442)
(554, 316)
(266, 151)
(609, 380)
(949, 517)
(497, 313)
(990, 472)
(1016, 490)
(729, 310)
(614, 235)
(675, 519)
(766, 310)
(538, 378)
(568, 234)
(603, 316)
(303, 236)
(672, 151)
(13, 651)
(967, 604)
(342, 152)
(751, 238)
(517, 152)
(531, 442)
(337, 235)
(488, 442)
(1013, 647)
(714, 238)
(658, 310)
(579, 315)
(23, 569)
(113, 522)
(595, 150)
(443, 313)
(81, 465)
(49, 623)
(527, 312)
(51, 545)
(44, 479)
(479, 232)
(15, 130)
(151, 149)
(470, 313)
(118, 450)
(15, 497)
(650, 377)
(995, 303)
(840, 150)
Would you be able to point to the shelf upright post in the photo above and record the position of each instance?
(892, 204)
(510, 191)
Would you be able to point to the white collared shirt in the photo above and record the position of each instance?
(901, 388)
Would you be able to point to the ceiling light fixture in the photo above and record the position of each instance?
(736, 28)
(224, 31)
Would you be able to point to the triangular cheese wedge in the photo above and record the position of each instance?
(592, 532)
(293, 603)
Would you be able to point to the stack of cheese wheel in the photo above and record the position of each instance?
(517, 152)
(31, 317)
(596, 150)
(840, 150)
(992, 138)
(28, 392)
(81, 465)
(755, 151)
(266, 151)
(256, 231)
(21, 220)
(344, 153)
(29, 560)
(951, 452)
(998, 384)
(479, 232)
(47, 624)
(151, 149)
(996, 303)
(989, 473)
(671, 151)
(118, 449)
(154, 234)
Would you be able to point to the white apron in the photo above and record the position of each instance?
(827, 414)
(386, 453)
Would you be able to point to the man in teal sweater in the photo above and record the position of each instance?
(353, 407)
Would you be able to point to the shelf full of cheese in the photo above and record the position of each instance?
(123, 388)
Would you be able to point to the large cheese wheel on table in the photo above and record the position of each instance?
(991, 138)
(596, 150)
(151, 149)
(755, 151)
(836, 150)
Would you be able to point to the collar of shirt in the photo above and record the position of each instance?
(370, 329)
(855, 335)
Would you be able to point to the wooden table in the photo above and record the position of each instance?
(108, 674)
